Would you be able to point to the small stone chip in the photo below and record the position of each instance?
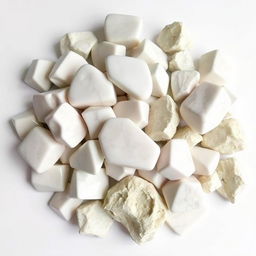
(210, 183)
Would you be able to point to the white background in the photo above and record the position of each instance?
(31, 29)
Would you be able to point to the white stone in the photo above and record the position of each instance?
(90, 87)
(37, 76)
(79, 42)
(163, 119)
(205, 107)
(87, 186)
(88, 157)
(214, 67)
(131, 75)
(151, 53)
(186, 133)
(104, 49)
(210, 183)
(65, 68)
(175, 161)
(183, 82)
(63, 205)
(226, 138)
(44, 103)
(24, 122)
(135, 110)
(181, 61)
(153, 176)
(123, 29)
(174, 38)
(125, 144)
(95, 117)
(93, 219)
(53, 180)
(66, 125)
(160, 80)
(40, 150)
(136, 204)
(205, 160)
(118, 172)
(67, 153)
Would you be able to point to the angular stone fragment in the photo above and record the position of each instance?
(136, 204)
(181, 61)
(118, 172)
(163, 119)
(210, 183)
(67, 153)
(227, 138)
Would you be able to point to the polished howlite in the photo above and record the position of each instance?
(53, 180)
(67, 153)
(136, 204)
(79, 42)
(93, 219)
(163, 119)
(183, 82)
(87, 186)
(175, 161)
(131, 75)
(65, 68)
(118, 172)
(64, 205)
(95, 117)
(90, 87)
(151, 53)
(37, 76)
(44, 103)
(135, 110)
(104, 49)
(123, 29)
(40, 150)
(125, 144)
(210, 183)
(181, 61)
(206, 107)
(88, 157)
(24, 122)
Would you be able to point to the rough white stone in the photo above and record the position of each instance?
(210, 183)
(181, 61)
(118, 172)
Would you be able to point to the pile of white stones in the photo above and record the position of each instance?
(121, 117)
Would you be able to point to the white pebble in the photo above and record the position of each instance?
(67, 153)
(118, 172)
(181, 61)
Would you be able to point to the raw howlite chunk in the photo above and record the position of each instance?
(205, 107)
(65, 68)
(90, 87)
(135, 110)
(125, 144)
(131, 75)
(227, 138)
(186, 133)
(24, 122)
(229, 171)
(181, 61)
(93, 219)
(175, 161)
(53, 180)
(210, 183)
(40, 150)
(66, 125)
(87, 186)
(88, 157)
(173, 38)
(37, 76)
(79, 42)
(163, 119)
(151, 53)
(95, 117)
(205, 160)
(123, 29)
(64, 205)
(160, 80)
(44, 103)
(67, 153)
(183, 82)
(118, 172)
(136, 204)
(104, 49)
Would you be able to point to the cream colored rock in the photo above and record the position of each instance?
(93, 219)
(227, 138)
(118, 172)
(210, 183)
(163, 119)
(230, 174)
(136, 204)
(186, 133)
(181, 61)
(174, 38)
